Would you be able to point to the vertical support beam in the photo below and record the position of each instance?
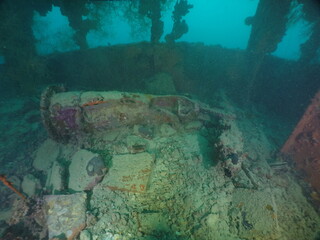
(17, 46)
(268, 28)
(311, 46)
(268, 25)
(311, 10)
(152, 10)
(75, 10)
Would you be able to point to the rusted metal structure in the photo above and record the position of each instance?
(303, 146)
(78, 115)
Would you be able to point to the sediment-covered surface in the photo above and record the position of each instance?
(202, 176)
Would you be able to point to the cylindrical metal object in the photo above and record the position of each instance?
(72, 115)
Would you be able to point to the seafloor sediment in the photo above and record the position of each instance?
(206, 177)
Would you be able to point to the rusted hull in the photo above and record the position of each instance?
(303, 146)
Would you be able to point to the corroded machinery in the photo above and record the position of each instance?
(76, 115)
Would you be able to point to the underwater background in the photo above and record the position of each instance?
(211, 107)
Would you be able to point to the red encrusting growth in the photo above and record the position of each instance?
(93, 103)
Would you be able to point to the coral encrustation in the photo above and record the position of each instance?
(68, 116)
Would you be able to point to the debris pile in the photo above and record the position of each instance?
(137, 166)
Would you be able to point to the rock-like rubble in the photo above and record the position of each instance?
(134, 166)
